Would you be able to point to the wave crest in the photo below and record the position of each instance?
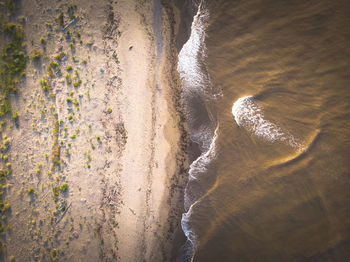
(198, 94)
(248, 114)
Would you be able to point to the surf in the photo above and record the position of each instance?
(249, 115)
(197, 99)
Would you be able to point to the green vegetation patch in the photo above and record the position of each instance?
(61, 19)
(60, 56)
(13, 62)
(64, 187)
(43, 40)
(77, 83)
(36, 55)
(13, 59)
(71, 10)
(45, 84)
(56, 147)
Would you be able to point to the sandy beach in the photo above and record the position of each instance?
(98, 151)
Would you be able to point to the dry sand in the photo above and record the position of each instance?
(119, 135)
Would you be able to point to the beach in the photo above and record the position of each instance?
(98, 153)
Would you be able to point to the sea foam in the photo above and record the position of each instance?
(249, 115)
(197, 92)
(192, 53)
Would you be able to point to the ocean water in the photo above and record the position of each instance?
(266, 93)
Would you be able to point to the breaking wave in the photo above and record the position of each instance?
(197, 98)
(198, 169)
(249, 115)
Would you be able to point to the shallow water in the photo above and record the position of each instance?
(267, 96)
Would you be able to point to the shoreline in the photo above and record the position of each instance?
(118, 137)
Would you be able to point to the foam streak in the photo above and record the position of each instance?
(249, 115)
